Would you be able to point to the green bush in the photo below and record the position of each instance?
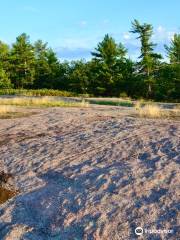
(4, 80)
(123, 95)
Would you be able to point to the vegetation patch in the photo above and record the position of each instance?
(37, 92)
(112, 103)
(155, 111)
(8, 112)
(5, 109)
(43, 101)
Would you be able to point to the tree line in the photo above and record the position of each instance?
(109, 73)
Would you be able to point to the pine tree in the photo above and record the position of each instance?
(4, 56)
(78, 76)
(46, 66)
(4, 66)
(173, 50)
(107, 53)
(4, 79)
(23, 60)
(148, 59)
(42, 70)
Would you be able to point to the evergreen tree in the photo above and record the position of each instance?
(107, 53)
(41, 64)
(63, 80)
(23, 61)
(78, 76)
(173, 50)
(4, 79)
(54, 68)
(46, 66)
(4, 56)
(148, 59)
(108, 73)
(168, 82)
(4, 66)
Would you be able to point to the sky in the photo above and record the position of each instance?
(74, 27)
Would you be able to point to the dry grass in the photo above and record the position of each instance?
(8, 112)
(4, 109)
(150, 111)
(43, 101)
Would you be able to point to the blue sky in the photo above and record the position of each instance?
(74, 27)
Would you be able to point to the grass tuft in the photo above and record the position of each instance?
(150, 111)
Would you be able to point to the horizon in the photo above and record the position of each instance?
(73, 30)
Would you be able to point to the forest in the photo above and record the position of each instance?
(109, 73)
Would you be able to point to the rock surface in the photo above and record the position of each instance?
(95, 173)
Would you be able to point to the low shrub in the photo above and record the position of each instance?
(36, 92)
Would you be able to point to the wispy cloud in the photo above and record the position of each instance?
(65, 53)
(161, 34)
(83, 23)
(80, 47)
(75, 48)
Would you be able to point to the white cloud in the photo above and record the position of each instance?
(126, 36)
(170, 35)
(106, 21)
(83, 23)
(161, 34)
(81, 46)
(160, 29)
